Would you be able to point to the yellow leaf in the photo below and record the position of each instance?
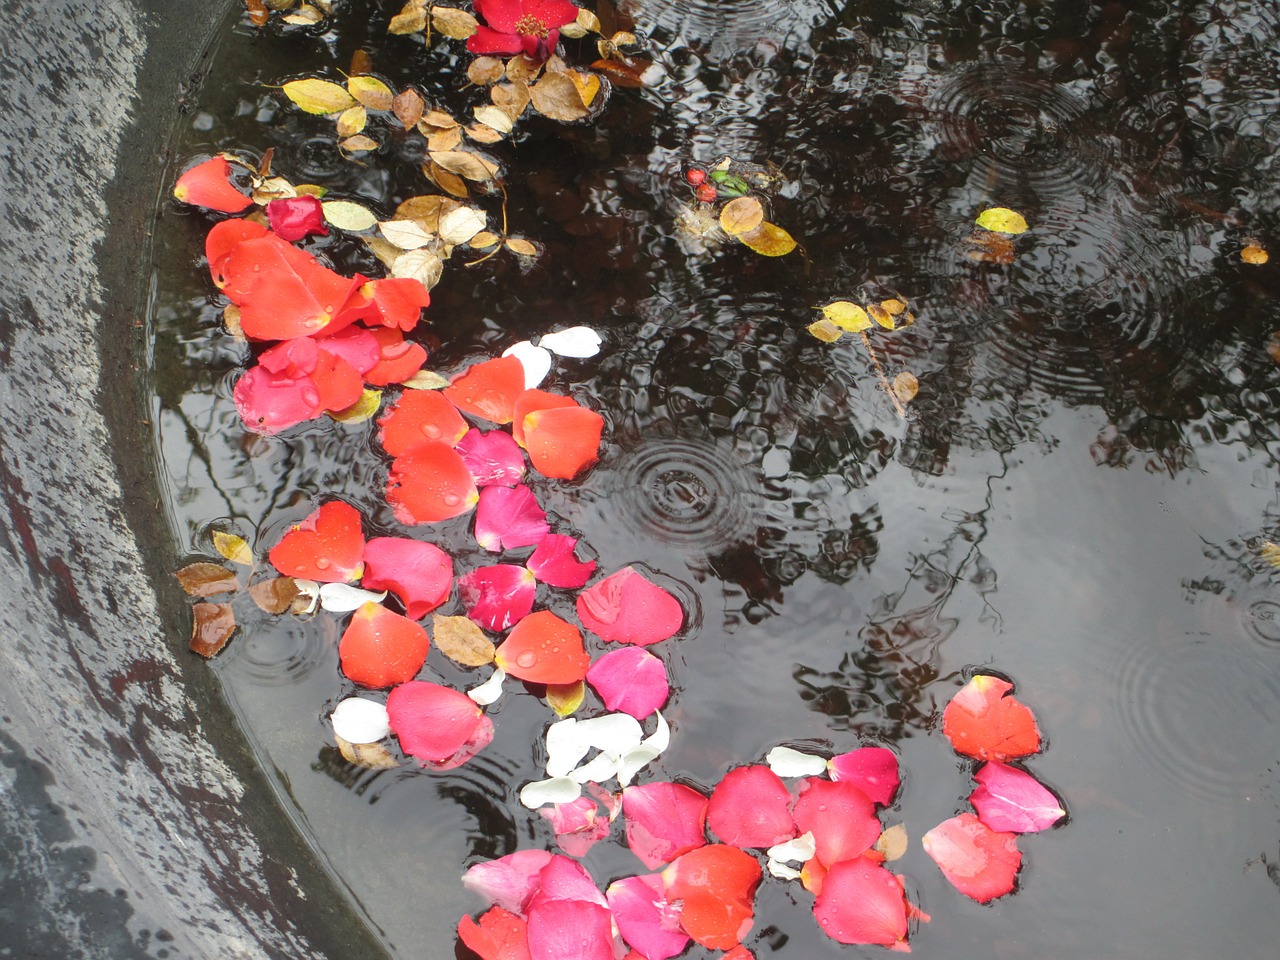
(521, 246)
(371, 92)
(893, 307)
(412, 18)
(352, 121)
(318, 96)
(769, 240)
(880, 315)
(483, 133)
(906, 386)
(446, 180)
(564, 698)
(346, 215)
(825, 330)
(484, 240)
(361, 410)
(588, 85)
(426, 380)
(311, 190)
(231, 317)
(233, 548)
(453, 23)
(461, 640)
(1002, 220)
(358, 144)
(438, 119)
(741, 215)
(1270, 552)
(1254, 254)
(438, 141)
(847, 316)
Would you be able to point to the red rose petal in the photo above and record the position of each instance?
(420, 574)
(223, 238)
(630, 680)
(531, 401)
(862, 902)
(644, 918)
(498, 596)
(436, 724)
(542, 648)
(498, 936)
(508, 518)
(398, 302)
(565, 879)
(750, 807)
(399, 358)
(208, 185)
(561, 443)
(380, 648)
(873, 769)
(980, 862)
(488, 389)
(840, 816)
(293, 218)
(553, 562)
(982, 721)
(327, 546)
(338, 382)
(419, 416)
(1011, 800)
(356, 346)
(717, 884)
(627, 608)
(269, 402)
(493, 458)
(664, 820)
(430, 483)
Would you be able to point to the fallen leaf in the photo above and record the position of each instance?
(305, 17)
(214, 624)
(318, 96)
(484, 71)
(1270, 552)
(406, 234)
(466, 164)
(207, 579)
(893, 842)
(880, 315)
(589, 86)
(446, 180)
(360, 411)
(484, 240)
(407, 107)
(412, 18)
(461, 640)
(769, 240)
(371, 92)
(556, 96)
(1002, 220)
(906, 386)
(233, 548)
(373, 756)
(439, 141)
(824, 330)
(274, 595)
(460, 225)
(425, 266)
(521, 247)
(1254, 254)
(453, 23)
(565, 698)
(352, 120)
(358, 144)
(494, 117)
(348, 215)
(741, 215)
(481, 133)
(847, 316)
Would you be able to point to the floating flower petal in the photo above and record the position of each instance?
(355, 345)
(489, 691)
(645, 919)
(380, 648)
(344, 598)
(417, 417)
(359, 720)
(508, 518)
(840, 816)
(552, 790)
(982, 721)
(420, 574)
(328, 546)
(664, 820)
(493, 457)
(508, 882)
(569, 740)
(396, 302)
(488, 389)
(561, 442)
(565, 879)
(786, 762)
(542, 648)
(499, 935)
(750, 807)
(631, 680)
(222, 238)
(498, 596)
(208, 185)
(293, 218)
(717, 885)
(577, 824)
(627, 608)
(430, 483)
(268, 403)
(559, 929)
(553, 562)
(572, 342)
(399, 359)
(873, 769)
(436, 724)
(980, 862)
(862, 902)
(1011, 800)
(536, 361)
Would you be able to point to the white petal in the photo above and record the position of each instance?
(535, 360)
(615, 733)
(786, 762)
(343, 598)
(489, 691)
(565, 746)
(311, 590)
(599, 769)
(556, 790)
(569, 740)
(574, 342)
(357, 720)
(800, 849)
(782, 871)
(651, 748)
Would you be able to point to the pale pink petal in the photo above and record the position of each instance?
(509, 517)
(565, 879)
(980, 862)
(873, 769)
(554, 564)
(494, 458)
(436, 724)
(1012, 800)
(510, 881)
(664, 820)
(626, 607)
(268, 402)
(840, 816)
(420, 574)
(646, 921)
(630, 680)
(750, 808)
(570, 930)
(862, 902)
(578, 825)
(499, 596)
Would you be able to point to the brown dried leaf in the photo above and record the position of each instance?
(556, 96)
(436, 119)
(906, 386)
(453, 23)
(486, 70)
(893, 842)
(588, 84)
(525, 69)
(275, 595)
(466, 164)
(258, 12)
(990, 248)
(407, 107)
(207, 579)
(426, 209)
(375, 756)
(371, 92)
(741, 215)
(233, 548)
(213, 626)
(621, 74)
(1254, 254)
(385, 251)
(494, 117)
(511, 99)
(273, 188)
(358, 144)
(361, 63)
(461, 640)
(484, 240)
(441, 141)
(450, 183)
(482, 133)
(422, 265)
(521, 246)
(412, 18)
(352, 121)
(305, 17)
(231, 317)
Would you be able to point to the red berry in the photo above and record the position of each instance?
(695, 175)
(706, 192)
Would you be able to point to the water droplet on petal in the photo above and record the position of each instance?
(526, 659)
(322, 564)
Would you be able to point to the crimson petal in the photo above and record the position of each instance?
(293, 218)
(840, 816)
(437, 724)
(509, 517)
(873, 769)
(269, 402)
(553, 562)
(627, 608)
(750, 808)
(420, 574)
(498, 596)
(493, 457)
(862, 902)
(980, 862)
(664, 820)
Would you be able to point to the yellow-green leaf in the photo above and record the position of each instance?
(425, 380)
(318, 96)
(769, 240)
(346, 215)
(371, 92)
(361, 410)
(352, 120)
(880, 315)
(1002, 220)
(565, 698)
(234, 548)
(847, 316)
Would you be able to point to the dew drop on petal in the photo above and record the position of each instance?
(527, 659)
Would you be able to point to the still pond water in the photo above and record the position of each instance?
(1077, 498)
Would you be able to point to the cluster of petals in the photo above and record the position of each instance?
(531, 27)
(979, 854)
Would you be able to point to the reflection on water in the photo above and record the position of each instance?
(1075, 500)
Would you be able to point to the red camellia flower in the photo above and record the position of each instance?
(531, 27)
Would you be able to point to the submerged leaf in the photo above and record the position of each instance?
(207, 579)
(213, 626)
(741, 215)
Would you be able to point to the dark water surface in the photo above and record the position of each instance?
(1076, 499)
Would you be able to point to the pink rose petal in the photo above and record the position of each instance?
(664, 820)
(564, 929)
(509, 517)
(565, 879)
(498, 596)
(862, 902)
(578, 825)
(980, 862)
(873, 769)
(750, 808)
(293, 218)
(355, 345)
(493, 457)
(627, 608)
(420, 574)
(630, 680)
(840, 816)
(646, 921)
(1013, 801)
(268, 402)
(437, 725)
(554, 564)
(509, 882)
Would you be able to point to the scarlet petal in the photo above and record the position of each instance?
(436, 724)
(542, 648)
(268, 402)
(750, 808)
(840, 816)
(354, 345)
(531, 401)
(430, 483)
(420, 574)
(338, 383)
(327, 546)
(223, 238)
(627, 608)
(509, 517)
(873, 769)
(980, 862)
(488, 389)
(983, 721)
(502, 14)
(553, 562)
(293, 218)
(644, 918)
(498, 936)
(493, 458)
(398, 302)
(209, 185)
(630, 680)
(562, 443)
(862, 902)
(498, 596)
(399, 358)
(1012, 800)
(419, 416)
(485, 40)
(510, 881)
(559, 929)
(380, 648)
(664, 820)
(717, 884)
